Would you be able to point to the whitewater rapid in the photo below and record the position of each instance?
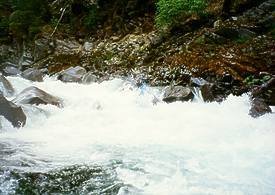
(178, 148)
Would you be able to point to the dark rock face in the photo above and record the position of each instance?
(34, 95)
(177, 93)
(33, 74)
(259, 108)
(42, 48)
(12, 113)
(213, 38)
(266, 92)
(207, 92)
(5, 87)
(73, 74)
(238, 6)
(228, 32)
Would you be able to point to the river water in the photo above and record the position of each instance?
(110, 138)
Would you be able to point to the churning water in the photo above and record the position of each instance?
(110, 138)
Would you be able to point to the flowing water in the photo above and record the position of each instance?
(110, 138)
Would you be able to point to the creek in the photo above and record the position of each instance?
(110, 138)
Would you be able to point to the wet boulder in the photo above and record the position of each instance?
(33, 74)
(12, 112)
(211, 92)
(6, 88)
(11, 71)
(197, 82)
(72, 74)
(177, 93)
(89, 77)
(36, 96)
(208, 92)
(258, 108)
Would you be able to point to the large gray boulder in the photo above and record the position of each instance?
(177, 93)
(33, 74)
(36, 96)
(12, 112)
(72, 74)
(5, 87)
(11, 71)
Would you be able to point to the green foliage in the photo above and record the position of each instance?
(24, 23)
(91, 19)
(19, 22)
(22, 18)
(4, 4)
(241, 39)
(38, 7)
(53, 22)
(4, 26)
(252, 80)
(200, 40)
(169, 10)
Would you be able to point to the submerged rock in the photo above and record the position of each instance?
(73, 74)
(5, 87)
(33, 74)
(34, 95)
(12, 112)
(177, 93)
(259, 108)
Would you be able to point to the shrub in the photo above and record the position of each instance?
(91, 18)
(170, 10)
(4, 26)
(19, 22)
(252, 80)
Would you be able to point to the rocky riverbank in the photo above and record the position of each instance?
(229, 50)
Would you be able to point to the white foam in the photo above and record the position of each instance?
(181, 148)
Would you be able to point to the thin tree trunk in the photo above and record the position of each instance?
(60, 18)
